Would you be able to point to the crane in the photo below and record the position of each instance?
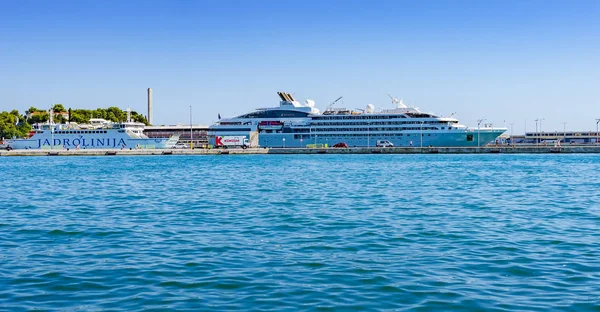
(398, 103)
(330, 105)
(394, 100)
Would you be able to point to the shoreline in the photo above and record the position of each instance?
(352, 150)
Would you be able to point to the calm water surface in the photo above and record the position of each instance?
(301, 232)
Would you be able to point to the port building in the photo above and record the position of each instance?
(196, 134)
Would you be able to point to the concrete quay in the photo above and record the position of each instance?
(129, 152)
(356, 150)
(441, 150)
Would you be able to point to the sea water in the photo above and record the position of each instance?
(300, 232)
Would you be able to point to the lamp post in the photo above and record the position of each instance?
(478, 124)
(541, 119)
(564, 131)
(191, 134)
(283, 142)
(422, 134)
(536, 132)
(511, 134)
(597, 121)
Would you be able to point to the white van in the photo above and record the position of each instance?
(384, 143)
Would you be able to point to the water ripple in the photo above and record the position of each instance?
(301, 232)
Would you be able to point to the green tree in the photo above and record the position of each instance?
(38, 117)
(13, 125)
(115, 114)
(138, 118)
(32, 110)
(79, 116)
(59, 108)
(60, 119)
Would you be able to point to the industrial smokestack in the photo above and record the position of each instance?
(150, 105)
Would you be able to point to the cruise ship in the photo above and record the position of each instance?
(295, 124)
(98, 134)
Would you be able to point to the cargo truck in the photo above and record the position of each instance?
(231, 141)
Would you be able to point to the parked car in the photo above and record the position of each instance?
(181, 145)
(341, 145)
(384, 143)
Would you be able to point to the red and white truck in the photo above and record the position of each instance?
(231, 141)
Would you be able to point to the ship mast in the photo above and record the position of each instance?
(52, 127)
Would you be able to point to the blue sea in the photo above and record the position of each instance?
(300, 233)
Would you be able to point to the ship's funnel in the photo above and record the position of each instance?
(287, 97)
(281, 96)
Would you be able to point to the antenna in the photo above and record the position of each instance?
(399, 103)
(394, 100)
(330, 105)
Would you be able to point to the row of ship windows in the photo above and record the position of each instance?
(358, 117)
(311, 130)
(382, 123)
(79, 131)
(306, 136)
(373, 129)
(562, 134)
(233, 123)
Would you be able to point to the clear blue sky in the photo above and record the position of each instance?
(499, 60)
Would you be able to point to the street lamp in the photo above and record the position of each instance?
(478, 124)
(597, 121)
(511, 134)
(536, 132)
(564, 132)
(283, 142)
(542, 119)
(191, 134)
(422, 134)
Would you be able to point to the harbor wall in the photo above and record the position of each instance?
(357, 150)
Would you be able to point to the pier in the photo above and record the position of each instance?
(577, 149)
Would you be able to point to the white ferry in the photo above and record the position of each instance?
(99, 133)
(293, 124)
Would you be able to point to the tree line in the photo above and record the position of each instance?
(13, 124)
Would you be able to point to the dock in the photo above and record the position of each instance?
(578, 149)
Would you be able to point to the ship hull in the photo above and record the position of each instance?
(89, 141)
(448, 139)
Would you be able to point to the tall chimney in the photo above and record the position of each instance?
(150, 105)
